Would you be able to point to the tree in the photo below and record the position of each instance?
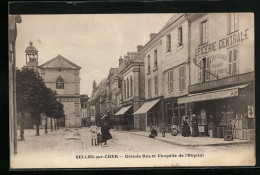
(59, 113)
(29, 96)
(34, 97)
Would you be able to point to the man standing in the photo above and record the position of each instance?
(163, 129)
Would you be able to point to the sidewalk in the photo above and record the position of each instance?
(192, 141)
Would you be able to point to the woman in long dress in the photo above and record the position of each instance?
(195, 128)
(186, 129)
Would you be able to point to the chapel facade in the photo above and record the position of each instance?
(62, 76)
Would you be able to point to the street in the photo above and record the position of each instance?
(72, 148)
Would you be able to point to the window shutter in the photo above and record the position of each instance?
(171, 80)
(180, 78)
(230, 62)
(184, 77)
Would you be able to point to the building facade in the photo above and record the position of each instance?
(132, 72)
(62, 75)
(221, 92)
(175, 68)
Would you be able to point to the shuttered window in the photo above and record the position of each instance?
(156, 85)
(182, 77)
(148, 64)
(155, 58)
(233, 57)
(233, 22)
(204, 32)
(179, 36)
(149, 87)
(170, 81)
(168, 43)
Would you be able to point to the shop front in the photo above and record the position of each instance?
(224, 109)
(151, 112)
(124, 120)
(174, 113)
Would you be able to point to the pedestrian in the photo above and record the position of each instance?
(163, 129)
(105, 132)
(93, 130)
(99, 139)
(186, 128)
(153, 133)
(195, 128)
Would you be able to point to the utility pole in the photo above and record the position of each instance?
(13, 19)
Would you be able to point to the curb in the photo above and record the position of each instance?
(213, 144)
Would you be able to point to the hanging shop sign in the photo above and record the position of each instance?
(228, 41)
(251, 111)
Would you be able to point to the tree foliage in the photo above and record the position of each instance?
(34, 97)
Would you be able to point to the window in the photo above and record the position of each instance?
(148, 64)
(179, 36)
(127, 88)
(182, 77)
(131, 86)
(232, 66)
(124, 89)
(155, 58)
(204, 32)
(59, 83)
(156, 85)
(204, 74)
(170, 81)
(168, 43)
(149, 87)
(233, 22)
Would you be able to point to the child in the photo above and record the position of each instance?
(99, 139)
(153, 133)
(93, 130)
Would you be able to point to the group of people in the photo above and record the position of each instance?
(187, 121)
(98, 138)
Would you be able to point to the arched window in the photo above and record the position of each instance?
(131, 86)
(59, 83)
(127, 87)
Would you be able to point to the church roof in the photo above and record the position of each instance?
(59, 62)
(31, 48)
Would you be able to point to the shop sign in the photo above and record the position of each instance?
(219, 65)
(237, 79)
(227, 41)
(251, 111)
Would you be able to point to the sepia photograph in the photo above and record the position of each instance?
(131, 90)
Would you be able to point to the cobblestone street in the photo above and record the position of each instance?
(72, 148)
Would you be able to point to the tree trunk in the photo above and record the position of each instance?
(46, 124)
(22, 126)
(55, 124)
(51, 125)
(37, 125)
(58, 124)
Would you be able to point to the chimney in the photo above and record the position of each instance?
(152, 35)
(139, 48)
(120, 60)
(94, 85)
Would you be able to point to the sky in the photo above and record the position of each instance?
(94, 42)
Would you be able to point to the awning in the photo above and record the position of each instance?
(123, 110)
(218, 94)
(146, 107)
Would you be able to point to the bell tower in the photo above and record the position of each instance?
(31, 54)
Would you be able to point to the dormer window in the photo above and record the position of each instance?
(59, 83)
